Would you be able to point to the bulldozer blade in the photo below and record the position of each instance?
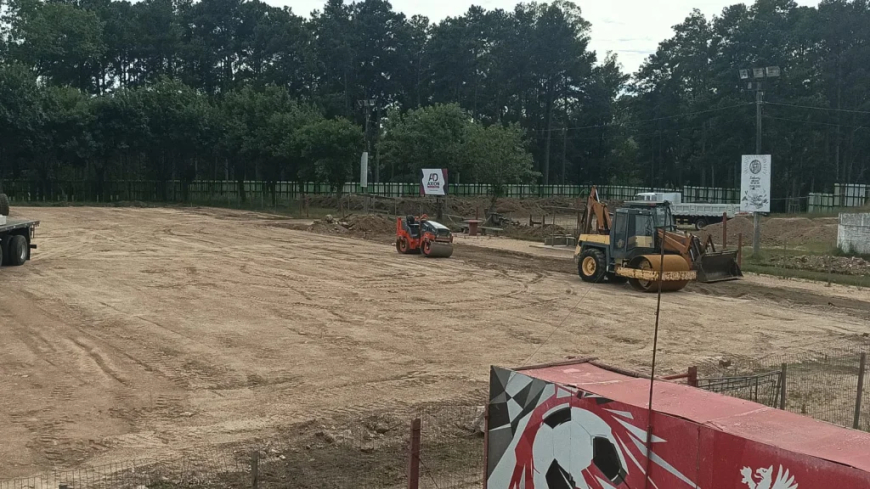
(718, 267)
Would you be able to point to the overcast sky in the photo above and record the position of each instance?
(632, 28)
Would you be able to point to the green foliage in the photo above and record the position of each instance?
(429, 137)
(497, 155)
(102, 89)
(334, 147)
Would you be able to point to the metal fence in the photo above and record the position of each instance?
(284, 192)
(844, 196)
(374, 450)
(826, 386)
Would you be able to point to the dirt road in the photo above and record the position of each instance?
(139, 332)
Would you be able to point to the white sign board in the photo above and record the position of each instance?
(364, 170)
(433, 181)
(755, 184)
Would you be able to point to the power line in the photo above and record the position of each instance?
(853, 111)
(830, 124)
(675, 116)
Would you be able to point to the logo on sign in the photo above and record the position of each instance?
(763, 478)
(755, 167)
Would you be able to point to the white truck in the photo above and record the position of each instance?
(691, 213)
(16, 236)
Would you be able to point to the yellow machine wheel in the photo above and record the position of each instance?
(589, 266)
(672, 263)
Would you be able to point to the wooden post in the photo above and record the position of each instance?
(724, 230)
(414, 457)
(740, 250)
(693, 376)
(783, 392)
(255, 469)
(860, 393)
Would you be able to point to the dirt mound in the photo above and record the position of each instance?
(535, 233)
(778, 231)
(324, 227)
(454, 206)
(369, 224)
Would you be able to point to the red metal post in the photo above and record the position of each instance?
(693, 376)
(414, 456)
(740, 250)
(724, 230)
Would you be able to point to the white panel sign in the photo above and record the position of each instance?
(364, 170)
(755, 184)
(433, 181)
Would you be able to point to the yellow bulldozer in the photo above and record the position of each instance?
(627, 245)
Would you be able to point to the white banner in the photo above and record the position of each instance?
(433, 181)
(364, 170)
(755, 184)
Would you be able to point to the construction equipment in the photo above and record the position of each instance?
(16, 236)
(641, 243)
(421, 235)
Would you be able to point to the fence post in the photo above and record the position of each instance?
(783, 392)
(740, 250)
(860, 393)
(414, 456)
(255, 469)
(724, 230)
(693, 376)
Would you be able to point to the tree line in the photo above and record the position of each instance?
(237, 89)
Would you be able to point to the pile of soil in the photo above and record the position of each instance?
(369, 224)
(790, 232)
(842, 265)
(535, 233)
(456, 206)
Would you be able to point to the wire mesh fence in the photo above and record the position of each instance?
(828, 386)
(366, 452)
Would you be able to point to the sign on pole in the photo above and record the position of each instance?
(364, 170)
(755, 184)
(433, 181)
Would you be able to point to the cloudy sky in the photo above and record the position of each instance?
(632, 28)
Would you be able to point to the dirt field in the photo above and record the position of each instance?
(141, 332)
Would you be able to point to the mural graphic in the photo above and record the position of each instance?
(763, 479)
(548, 436)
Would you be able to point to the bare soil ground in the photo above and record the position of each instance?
(143, 332)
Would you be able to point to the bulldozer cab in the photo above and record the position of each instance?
(633, 232)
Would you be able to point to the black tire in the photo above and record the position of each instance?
(700, 223)
(402, 246)
(4, 249)
(4, 205)
(17, 250)
(591, 266)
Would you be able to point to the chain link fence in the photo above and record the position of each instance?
(828, 386)
(368, 452)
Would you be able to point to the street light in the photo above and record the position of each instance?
(757, 86)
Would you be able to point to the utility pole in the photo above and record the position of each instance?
(367, 104)
(756, 75)
(564, 151)
(756, 217)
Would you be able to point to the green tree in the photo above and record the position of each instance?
(497, 156)
(332, 147)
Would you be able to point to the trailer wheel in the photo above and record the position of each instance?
(700, 223)
(591, 266)
(4, 205)
(17, 250)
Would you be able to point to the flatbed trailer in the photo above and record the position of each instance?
(16, 240)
